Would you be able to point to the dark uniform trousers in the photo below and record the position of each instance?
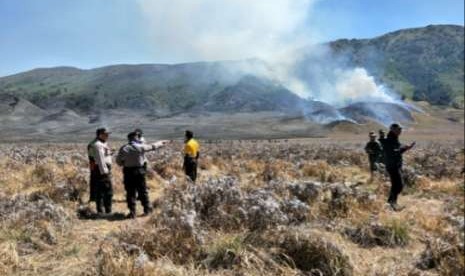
(94, 175)
(190, 167)
(373, 159)
(136, 188)
(397, 185)
(103, 191)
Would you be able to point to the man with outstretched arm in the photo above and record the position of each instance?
(393, 151)
(134, 162)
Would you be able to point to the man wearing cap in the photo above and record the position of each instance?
(132, 158)
(191, 155)
(393, 151)
(101, 171)
(373, 149)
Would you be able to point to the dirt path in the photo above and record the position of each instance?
(78, 249)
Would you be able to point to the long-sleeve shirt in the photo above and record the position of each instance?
(102, 156)
(373, 148)
(393, 151)
(132, 155)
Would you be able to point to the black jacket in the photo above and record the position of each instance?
(393, 151)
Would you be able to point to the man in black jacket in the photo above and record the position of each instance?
(393, 151)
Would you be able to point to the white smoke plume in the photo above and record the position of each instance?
(275, 31)
(205, 30)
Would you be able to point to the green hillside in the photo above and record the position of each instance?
(422, 63)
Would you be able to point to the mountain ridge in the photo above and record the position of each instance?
(166, 88)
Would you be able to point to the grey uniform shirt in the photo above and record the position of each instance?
(132, 155)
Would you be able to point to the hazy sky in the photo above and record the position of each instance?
(92, 33)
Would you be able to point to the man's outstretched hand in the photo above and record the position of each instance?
(160, 144)
(411, 146)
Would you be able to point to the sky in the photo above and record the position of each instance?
(95, 33)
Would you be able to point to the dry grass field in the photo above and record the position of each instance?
(259, 208)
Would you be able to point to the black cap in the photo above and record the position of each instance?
(395, 126)
(102, 131)
(132, 136)
(189, 134)
(138, 131)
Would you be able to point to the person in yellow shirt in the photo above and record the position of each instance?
(191, 155)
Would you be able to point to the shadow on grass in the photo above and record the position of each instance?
(85, 213)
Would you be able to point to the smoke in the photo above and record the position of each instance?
(206, 30)
(275, 32)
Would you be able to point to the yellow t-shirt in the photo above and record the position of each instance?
(192, 148)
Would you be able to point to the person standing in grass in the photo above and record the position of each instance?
(132, 158)
(374, 151)
(393, 151)
(191, 155)
(102, 171)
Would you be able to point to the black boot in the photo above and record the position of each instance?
(131, 215)
(99, 205)
(148, 211)
(396, 207)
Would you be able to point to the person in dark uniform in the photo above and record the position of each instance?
(191, 155)
(381, 139)
(393, 151)
(374, 150)
(132, 158)
(103, 188)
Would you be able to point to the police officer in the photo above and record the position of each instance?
(132, 158)
(191, 155)
(101, 171)
(393, 151)
(373, 149)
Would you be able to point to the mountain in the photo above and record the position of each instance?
(230, 98)
(425, 64)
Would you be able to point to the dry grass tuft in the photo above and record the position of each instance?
(308, 252)
(446, 258)
(390, 234)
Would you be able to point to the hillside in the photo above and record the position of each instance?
(423, 63)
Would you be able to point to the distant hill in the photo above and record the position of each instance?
(425, 64)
